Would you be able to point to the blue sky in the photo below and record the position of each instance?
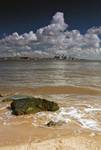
(23, 16)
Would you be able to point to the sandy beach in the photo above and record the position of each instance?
(6, 91)
(50, 75)
(31, 133)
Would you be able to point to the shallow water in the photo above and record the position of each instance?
(82, 110)
(50, 73)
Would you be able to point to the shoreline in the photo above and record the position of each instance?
(22, 135)
(50, 90)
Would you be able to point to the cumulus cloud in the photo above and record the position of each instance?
(95, 30)
(53, 39)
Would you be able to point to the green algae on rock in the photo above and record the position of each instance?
(32, 105)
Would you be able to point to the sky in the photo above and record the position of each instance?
(25, 15)
(47, 28)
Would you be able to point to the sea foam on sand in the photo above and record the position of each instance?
(71, 115)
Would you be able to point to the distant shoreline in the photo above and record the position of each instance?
(56, 58)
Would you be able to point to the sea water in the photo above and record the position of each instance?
(50, 73)
(84, 110)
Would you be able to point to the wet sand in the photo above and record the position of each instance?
(50, 90)
(27, 137)
(19, 133)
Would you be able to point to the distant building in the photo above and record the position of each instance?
(60, 57)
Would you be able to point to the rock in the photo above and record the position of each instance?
(53, 123)
(31, 105)
(1, 95)
(7, 99)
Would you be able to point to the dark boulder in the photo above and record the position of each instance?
(53, 123)
(32, 105)
(1, 95)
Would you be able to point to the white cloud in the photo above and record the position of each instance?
(53, 39)
(92, 40)
(95, 30)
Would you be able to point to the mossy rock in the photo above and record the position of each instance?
(32, 105)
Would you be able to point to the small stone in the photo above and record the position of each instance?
(52, 123)
(1, 95)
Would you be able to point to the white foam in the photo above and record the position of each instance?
(66, 114)
(60, 117)
(74, 113)
(92, 109)
(90, 124)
